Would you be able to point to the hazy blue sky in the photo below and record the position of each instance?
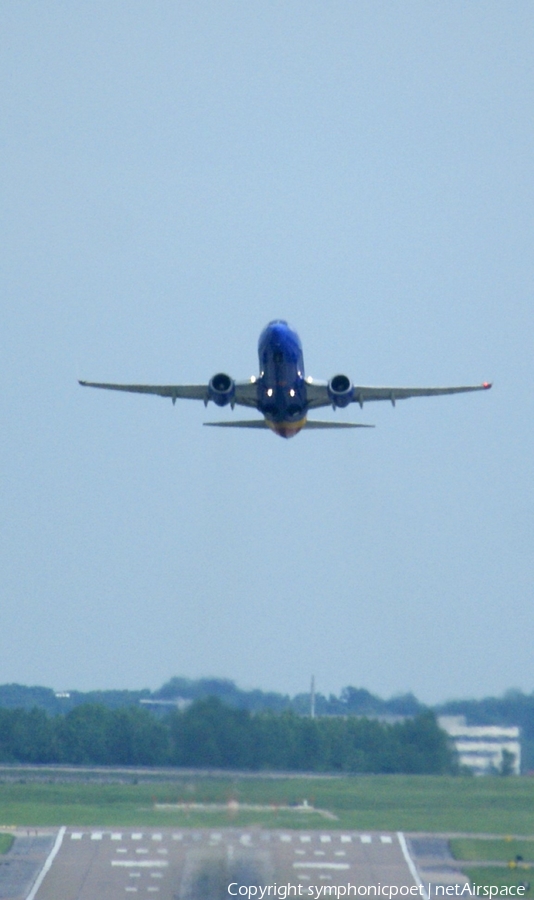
(175, 175)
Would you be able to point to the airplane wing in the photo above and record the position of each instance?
(318, 393)
(261, 423)
(245, 391)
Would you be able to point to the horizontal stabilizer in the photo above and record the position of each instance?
(313, 424)
(261, 423)
(246, 423)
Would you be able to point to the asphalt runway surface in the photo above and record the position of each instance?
(211, 864)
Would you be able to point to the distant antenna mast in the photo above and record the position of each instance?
(312, 698)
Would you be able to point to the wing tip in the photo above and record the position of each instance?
(486, 385)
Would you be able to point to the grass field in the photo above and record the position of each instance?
(502, 850)
(500, 877)
(408, 803)
(5, 842)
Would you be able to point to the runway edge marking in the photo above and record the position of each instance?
(410, 863)
(48, 862)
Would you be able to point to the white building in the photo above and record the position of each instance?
(480, 747)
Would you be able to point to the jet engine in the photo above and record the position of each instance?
(221, 389)
(340, 390)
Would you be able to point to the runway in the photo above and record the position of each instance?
(208, 864)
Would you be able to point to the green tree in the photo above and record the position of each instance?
(83, 735)
(136, 738)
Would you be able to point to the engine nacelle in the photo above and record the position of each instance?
(222, 389)
(340, 390)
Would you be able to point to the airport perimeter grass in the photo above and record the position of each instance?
(490, 805)
(502, 850)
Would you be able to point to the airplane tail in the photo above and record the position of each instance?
(261, 423)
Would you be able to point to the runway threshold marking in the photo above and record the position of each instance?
(139, 863)
(320, 865)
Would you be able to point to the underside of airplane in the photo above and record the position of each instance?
(281, 392)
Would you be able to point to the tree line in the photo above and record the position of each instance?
(209, 734)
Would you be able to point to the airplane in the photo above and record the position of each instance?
(281, 392)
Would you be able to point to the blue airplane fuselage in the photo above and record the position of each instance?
(281, 386)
